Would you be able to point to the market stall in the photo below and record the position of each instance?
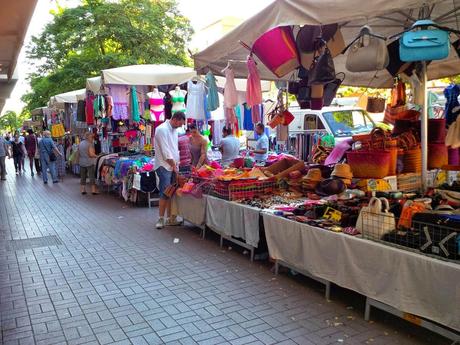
(388, 21)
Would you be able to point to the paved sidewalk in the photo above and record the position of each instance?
(92, 270)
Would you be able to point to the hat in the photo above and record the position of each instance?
(307, 38)
(330, 186)
(343, 171)
(313, 175)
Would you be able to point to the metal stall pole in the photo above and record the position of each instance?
(424, 125)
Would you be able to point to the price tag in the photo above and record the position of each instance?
(332, 214)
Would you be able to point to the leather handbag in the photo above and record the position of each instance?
(172, 188)
(330, 90)
(374, 221)
(425, 44)
(368, 53)
(322, 70)
(304, 94)
(375, 104)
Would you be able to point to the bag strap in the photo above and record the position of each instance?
(386, 204)
(375, 205)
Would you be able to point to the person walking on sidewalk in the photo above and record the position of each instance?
(167, 157)
(31, 144)
(48, 157)
(87, 161)
(4, 152)
(18, 150)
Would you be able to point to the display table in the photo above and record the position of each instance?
(193, 210)
(232, 220)
(405, 281)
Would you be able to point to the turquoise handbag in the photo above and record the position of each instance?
(424, 45)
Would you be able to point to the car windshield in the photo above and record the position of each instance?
(345, 123)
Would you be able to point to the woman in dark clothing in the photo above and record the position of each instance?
(18, 154)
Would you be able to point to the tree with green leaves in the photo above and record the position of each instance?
(11, 121)
(99, 34)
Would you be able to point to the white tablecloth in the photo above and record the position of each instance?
(233, 219)
(192, 209)
(407, 281)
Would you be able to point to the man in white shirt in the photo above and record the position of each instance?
(167, 157)
(262, 145)
(229, 146)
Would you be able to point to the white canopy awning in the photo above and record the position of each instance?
(148, 75)
(94, 84)
(385, 17)
(69, 97)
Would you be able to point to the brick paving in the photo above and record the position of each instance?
(103, 275)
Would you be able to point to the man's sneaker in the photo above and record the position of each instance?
(174, 221)
(160, 224)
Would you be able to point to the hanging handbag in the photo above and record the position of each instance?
(330, 90)
(425, 44)
(373, 221)
(368, 53)
(277, 50)
(375, 104)
(322, 70)
(304, 94)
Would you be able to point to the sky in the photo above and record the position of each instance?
(200, 12)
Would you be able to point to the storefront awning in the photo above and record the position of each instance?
(385, 17)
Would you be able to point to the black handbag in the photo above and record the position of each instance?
(304, 94)
(330, 90)
(322, 70)
(293, 87)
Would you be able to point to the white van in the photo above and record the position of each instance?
(341, 122)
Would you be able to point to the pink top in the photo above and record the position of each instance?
(156, 101)
(253, 87)
(230, 93)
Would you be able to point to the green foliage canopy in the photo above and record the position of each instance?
(99, 34)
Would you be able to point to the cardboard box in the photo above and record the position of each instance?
(283, 167)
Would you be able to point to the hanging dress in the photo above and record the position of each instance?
(120, 102)
(195, 101)
(134, 104)
(230, 93)
(213, 96)
(253, 86)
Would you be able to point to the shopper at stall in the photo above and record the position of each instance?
(4, 152)
(166, 160)
(48, 156)
(198, 146)
(262, 144)
(18, 150)
(87, 161)
(229, 146)
(31, 145)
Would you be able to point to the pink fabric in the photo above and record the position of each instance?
(255, 114)
(253, 86)
(156, 101)
(119, 94)
(230, 93)
(230, 116)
